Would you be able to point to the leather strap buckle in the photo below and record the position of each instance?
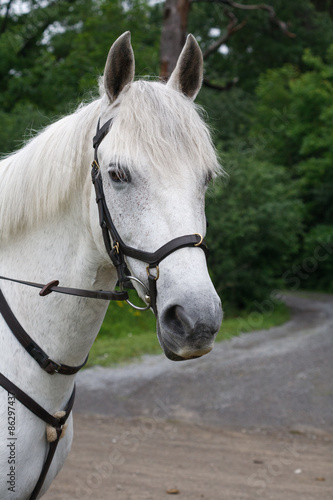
(116, 247)
(51, 367)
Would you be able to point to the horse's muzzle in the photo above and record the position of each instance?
(186, 336)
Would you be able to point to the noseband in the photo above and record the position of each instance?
(118, 250)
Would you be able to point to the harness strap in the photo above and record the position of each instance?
(31, 346)
(100, 134)
(50, 454)
(152, 292)
(34, 407)
(154, 258)
(39, 411)
(90, 294)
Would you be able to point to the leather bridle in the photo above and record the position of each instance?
(115, 246)
(117, 250)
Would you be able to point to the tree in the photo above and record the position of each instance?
(240, 40)
(303, 136)
(52, 52)
(175, 26)
(302, 140)
(255, 221)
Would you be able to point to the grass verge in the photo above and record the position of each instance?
(127, 334)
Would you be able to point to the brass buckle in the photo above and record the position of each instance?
(51, 367)
(157, 272)
(116, 247)
(201, 239)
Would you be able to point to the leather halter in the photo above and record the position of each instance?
(115, 246)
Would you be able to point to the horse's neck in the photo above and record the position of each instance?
(65, 327)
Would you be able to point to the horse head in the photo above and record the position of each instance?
(156, 161)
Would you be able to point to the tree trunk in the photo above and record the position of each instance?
(173, 34)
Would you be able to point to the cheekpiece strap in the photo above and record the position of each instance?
(100, 134)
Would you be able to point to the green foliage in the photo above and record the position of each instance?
(318, 258)
(52, 54)
(302, 140)
(229, 116)
(254, 223)
(125, 334)
(14, 132)
(260, 44)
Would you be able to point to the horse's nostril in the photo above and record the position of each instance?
(188, 332)
(178, 321)
(172, 319)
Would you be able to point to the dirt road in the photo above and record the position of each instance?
(252, 420)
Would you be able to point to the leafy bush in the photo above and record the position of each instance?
(295, 116)
(254, 227)
(304, 137)
(317, 263)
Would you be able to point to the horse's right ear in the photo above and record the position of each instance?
(119, 67)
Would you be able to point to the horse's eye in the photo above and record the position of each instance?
(119, 175)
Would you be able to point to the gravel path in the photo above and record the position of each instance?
(253, 420)
(279, 378)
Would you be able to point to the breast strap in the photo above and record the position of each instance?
(35, 351)
(36, 409)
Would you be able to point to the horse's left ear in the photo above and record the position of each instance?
(188, 73)
(119, 67)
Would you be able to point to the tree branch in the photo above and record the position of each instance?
(268, 8)
(40, 19)
(223, 88)
(5, 18)
(232, 28)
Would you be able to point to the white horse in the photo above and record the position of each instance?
(155, 164)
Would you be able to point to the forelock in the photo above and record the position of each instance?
(163, 127)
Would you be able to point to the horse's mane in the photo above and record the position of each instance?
(152, 121)
(40, 178)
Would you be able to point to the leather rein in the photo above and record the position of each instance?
(117, 251)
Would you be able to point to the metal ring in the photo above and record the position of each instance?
(157, 272)
(201, 239)
(147, 296)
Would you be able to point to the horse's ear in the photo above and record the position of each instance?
(119, 67)
(188, 73)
